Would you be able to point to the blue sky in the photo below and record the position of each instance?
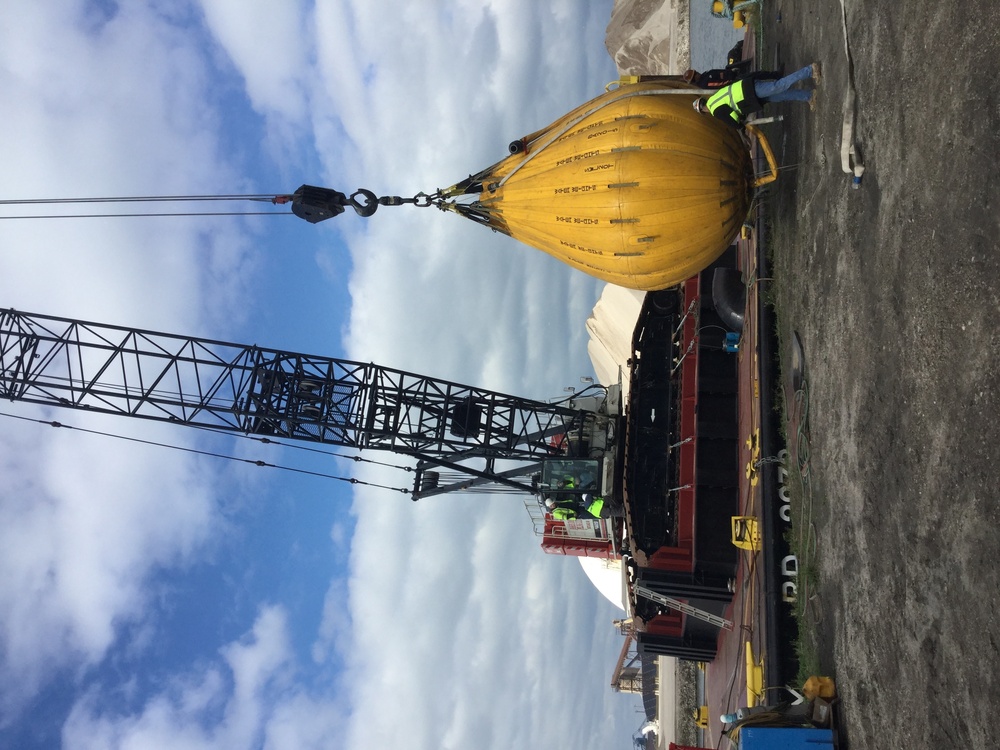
(154, 599)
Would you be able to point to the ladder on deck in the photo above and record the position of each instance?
(671, 603)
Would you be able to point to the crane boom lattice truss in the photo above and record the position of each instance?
(255, 390)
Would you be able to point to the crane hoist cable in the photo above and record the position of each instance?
(144, 199)
(295, 446)
(314, 204)
(210, 454)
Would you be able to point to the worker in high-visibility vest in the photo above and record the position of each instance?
(569, 508)
(562, 508)
(734, 102)
(565, 513)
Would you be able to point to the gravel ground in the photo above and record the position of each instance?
(685, 731)
(894, 290)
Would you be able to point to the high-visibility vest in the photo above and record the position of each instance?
(731, 96)
(564, 514)
(596, 507)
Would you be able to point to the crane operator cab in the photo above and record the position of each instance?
(569, 488)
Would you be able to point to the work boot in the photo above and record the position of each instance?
(816, 73)
(812, 102)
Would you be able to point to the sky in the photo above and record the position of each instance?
(155, 598)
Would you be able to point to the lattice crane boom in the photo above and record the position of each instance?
(255, 390)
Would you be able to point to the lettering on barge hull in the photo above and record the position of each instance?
(789, 562)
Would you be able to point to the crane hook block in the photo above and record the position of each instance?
(316, 204)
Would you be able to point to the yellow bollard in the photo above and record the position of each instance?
(701, 717)
(819, 687)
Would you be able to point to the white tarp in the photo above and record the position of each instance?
(610, 326)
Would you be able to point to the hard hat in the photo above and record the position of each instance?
(697, 104)
(550, 503)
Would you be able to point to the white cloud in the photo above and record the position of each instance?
(269, 44)
(255, 665)
(461, 625)
(453, 627)
(221, 706)
(78, 546)
(103, 106)
(332, 638)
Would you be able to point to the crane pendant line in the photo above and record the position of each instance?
(254, 390)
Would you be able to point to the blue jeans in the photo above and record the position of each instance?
(781, 90)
